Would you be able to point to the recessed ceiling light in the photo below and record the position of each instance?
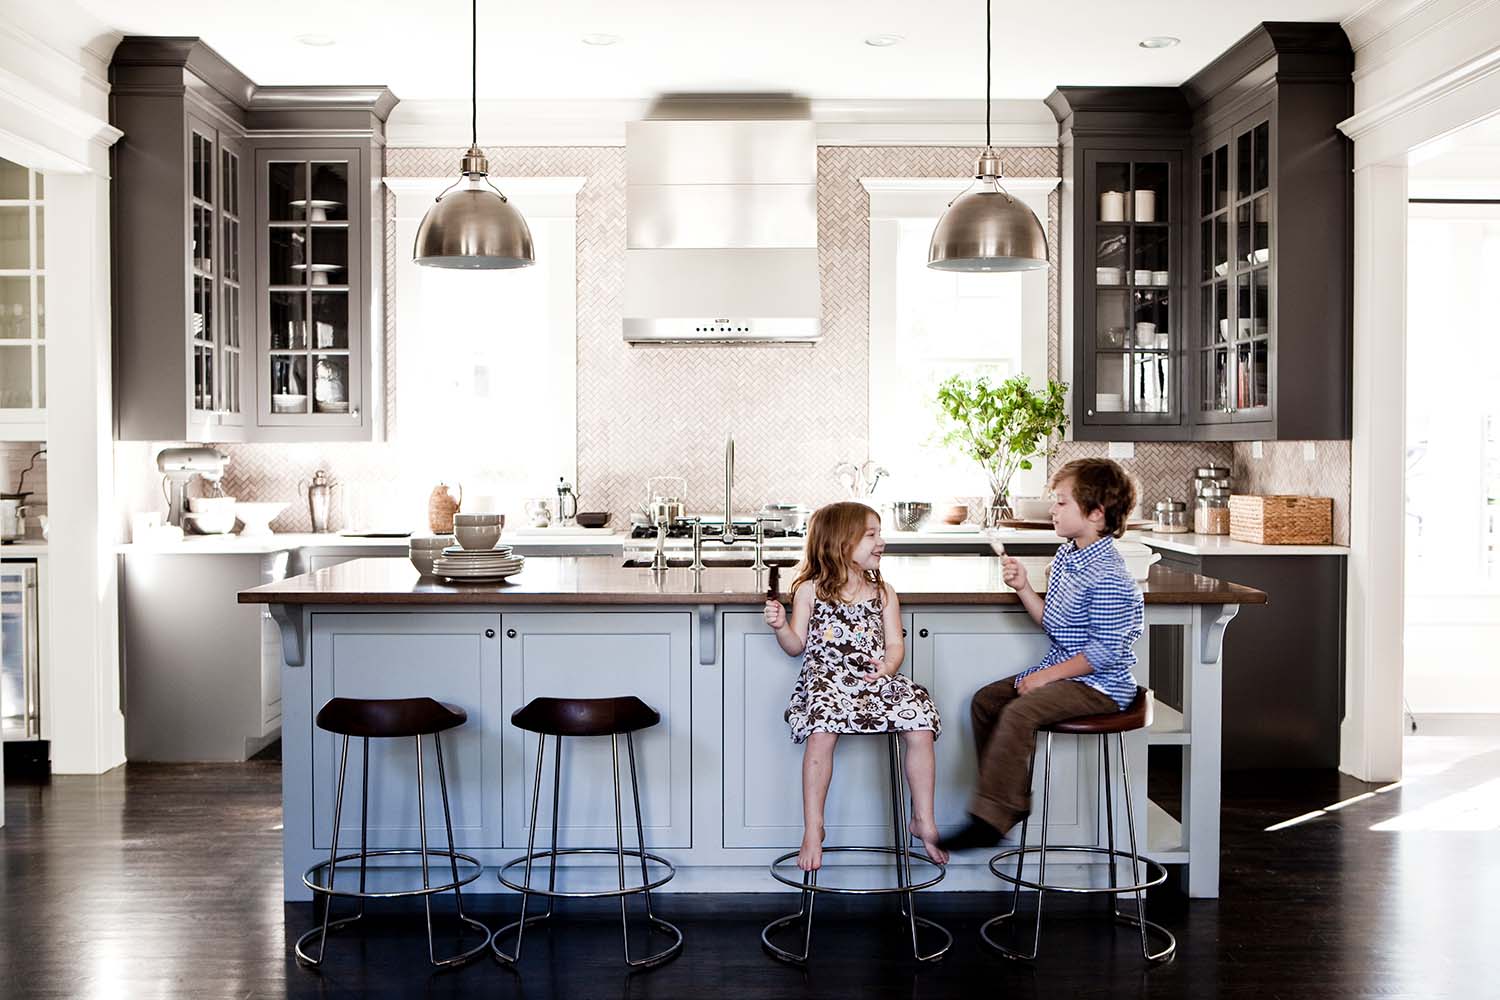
(317, 41)
(883, 41)
(1159, 42)
(600, 39)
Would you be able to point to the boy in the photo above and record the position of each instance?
(1093, 614)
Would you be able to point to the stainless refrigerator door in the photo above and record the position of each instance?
(20, 680)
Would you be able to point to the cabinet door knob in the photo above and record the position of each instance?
(510, 633)
(903, 631)
(923, 633)
(489, 633)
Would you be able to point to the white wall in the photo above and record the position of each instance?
(53, 117)
(1422, 70)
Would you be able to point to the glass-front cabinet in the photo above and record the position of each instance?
(311, 287)
(1129, 270)
(1234, 330)
(215, 322)
(23, 329)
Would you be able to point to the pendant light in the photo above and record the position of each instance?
(473, 225)
(986, 228)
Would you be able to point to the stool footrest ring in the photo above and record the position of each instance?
(604, 893)
(334, 925)
(1156, 873)
(310, 877)
(808, 884)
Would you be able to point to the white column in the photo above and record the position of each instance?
(81, 690)
(1371, 736)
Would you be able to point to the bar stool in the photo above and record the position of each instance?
(559, 717)
(901, 849)
(389, 718)
(1135, 716)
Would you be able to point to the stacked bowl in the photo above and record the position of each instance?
(478, 556)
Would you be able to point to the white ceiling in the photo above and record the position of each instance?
(531, 51)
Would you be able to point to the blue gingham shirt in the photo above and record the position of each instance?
(1093, 607)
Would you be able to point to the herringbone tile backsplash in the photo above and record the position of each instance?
(795, 412)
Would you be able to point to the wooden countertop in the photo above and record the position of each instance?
(602, 580)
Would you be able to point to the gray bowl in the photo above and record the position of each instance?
(910, 515)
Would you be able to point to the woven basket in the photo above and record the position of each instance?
(1281, 520)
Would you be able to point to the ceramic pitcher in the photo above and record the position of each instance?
(441, 506)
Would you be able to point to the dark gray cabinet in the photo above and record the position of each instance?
(1273, 240)
(246, 277)
(1256, 241)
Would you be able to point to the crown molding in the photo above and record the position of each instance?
(446, 123)
(46, 102)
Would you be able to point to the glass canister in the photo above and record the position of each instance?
(1211, 513)
(1171, 518)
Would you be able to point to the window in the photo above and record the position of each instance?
(926, 325)
(23, 357)
(485, 360)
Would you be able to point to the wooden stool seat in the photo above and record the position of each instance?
(1136, 715)
(585, 716)
(388, 717)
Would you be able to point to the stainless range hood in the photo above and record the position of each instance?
(721, 221)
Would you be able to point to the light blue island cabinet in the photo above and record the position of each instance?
(719, 777)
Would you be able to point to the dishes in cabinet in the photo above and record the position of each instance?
(317, 208)
(289, 402)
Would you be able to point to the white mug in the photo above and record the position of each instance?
(1145, 334)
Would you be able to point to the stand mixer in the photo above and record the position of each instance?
(179, 465)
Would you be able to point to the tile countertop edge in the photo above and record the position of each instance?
(599, 580)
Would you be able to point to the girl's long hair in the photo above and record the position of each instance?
(832, 534)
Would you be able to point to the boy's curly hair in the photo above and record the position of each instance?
(1100, 484)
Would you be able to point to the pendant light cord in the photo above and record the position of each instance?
(474, 77)
(987, 6)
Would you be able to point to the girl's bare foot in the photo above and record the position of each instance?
(926, 831)
(810, 857)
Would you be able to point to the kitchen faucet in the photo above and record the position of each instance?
(727, 536)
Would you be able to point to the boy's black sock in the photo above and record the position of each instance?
(976, 833)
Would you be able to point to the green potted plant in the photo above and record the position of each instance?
(1002, 427)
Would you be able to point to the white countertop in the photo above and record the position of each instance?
(1188, 543)
(282, 542)
(28, 549)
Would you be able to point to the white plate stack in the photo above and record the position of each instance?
(477, 565)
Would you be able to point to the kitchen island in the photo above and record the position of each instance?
(719, 776)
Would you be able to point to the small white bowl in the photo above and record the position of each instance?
(472, 519)
(475, 536)
(255, 518)
(1032, 508)
(422, 560)
(434, 543)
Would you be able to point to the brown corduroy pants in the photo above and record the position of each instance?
(1005, 726)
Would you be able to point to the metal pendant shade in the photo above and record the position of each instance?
(986, 228)
(473, 226)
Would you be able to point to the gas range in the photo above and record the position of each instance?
(684, 529)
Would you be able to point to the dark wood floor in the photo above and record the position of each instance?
(163, 881)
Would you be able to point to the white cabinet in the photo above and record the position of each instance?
(601, 654)
(452, 657)
(955, 654)
(763, 767)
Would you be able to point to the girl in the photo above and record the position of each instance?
(846, 624)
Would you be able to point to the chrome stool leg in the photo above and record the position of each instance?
(619, 851)
(1155, 873)
(1041, 881)
(905, 889)
(536, 798)
(329, 891)
(1170, 949)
